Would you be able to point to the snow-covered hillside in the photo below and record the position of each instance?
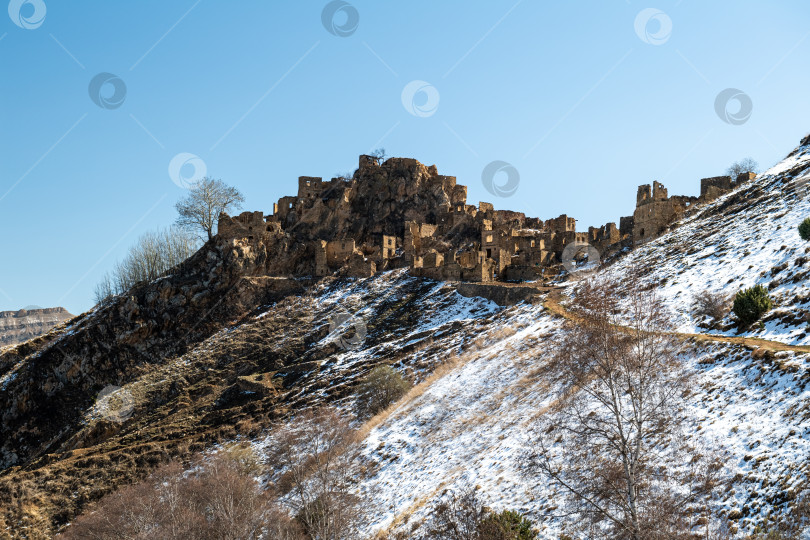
(469, 429)
(746, 237)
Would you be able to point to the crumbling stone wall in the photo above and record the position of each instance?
(604, 237)
(714, 187)
(321, 265)
(389, 247)
(245, 225)
(656, 211)
(339, 251)
(309, 187)
(720, 183)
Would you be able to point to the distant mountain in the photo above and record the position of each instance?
(28, 323)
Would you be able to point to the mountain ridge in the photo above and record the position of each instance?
(28, 323)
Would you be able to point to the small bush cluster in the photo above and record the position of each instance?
(508, 525)
(463, 516)
(382, 386)
(804, 229)
(710, 304)
(751, 304)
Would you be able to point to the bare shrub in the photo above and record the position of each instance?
(711, 304)
(214, 500)
(382, 386)
(243, 458)
(314, 457)
(151, 256)
(612, 441)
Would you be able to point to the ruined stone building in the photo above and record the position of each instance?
(401, 213)
(656, 210)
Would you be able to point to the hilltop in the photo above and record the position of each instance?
(240, 337)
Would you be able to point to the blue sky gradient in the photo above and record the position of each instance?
(567, 92)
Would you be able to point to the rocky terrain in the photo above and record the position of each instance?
(25, 324)
(224, 348)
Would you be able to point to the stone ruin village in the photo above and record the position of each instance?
(401, 213)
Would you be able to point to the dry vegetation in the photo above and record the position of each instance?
(710, 304)
(612, 440)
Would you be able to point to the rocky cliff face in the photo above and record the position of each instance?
(25, 324)
(46, 383)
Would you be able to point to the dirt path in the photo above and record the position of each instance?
(552, 303)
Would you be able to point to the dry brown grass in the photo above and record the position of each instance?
(403, 517)
(500, 333)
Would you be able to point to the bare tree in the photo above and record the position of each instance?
(458, 516)
(743, 166)
(612, 441)
(314, 458)
(379, 155)
(153, 254)
(200, 209)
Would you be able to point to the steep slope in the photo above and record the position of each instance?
(470, 429)
(746, 237)
(256, 369)
(25, 324)
(217, 350)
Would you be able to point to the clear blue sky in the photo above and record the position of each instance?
(581, 104)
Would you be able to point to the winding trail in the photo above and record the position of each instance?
(552, 303)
